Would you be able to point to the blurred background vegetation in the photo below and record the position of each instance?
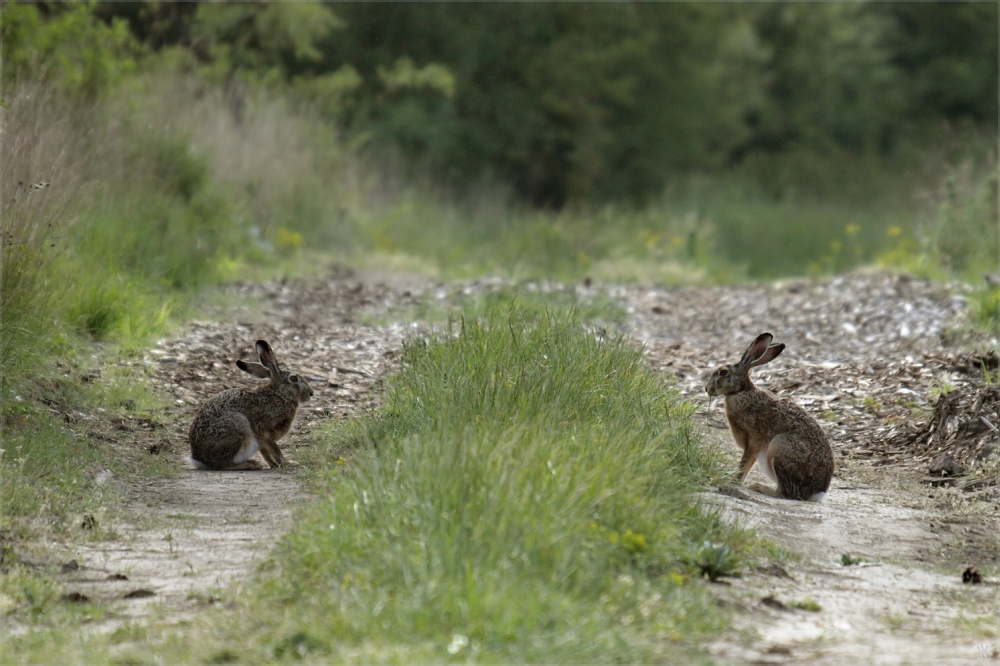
(153, 148)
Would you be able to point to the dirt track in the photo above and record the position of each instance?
(866, 354)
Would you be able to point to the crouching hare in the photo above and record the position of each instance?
(790, 446)
(232, 426)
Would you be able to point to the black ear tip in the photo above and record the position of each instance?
(241, 364)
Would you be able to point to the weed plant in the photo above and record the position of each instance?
(524, 495)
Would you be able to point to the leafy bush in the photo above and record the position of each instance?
(104, 221)
(69, 49)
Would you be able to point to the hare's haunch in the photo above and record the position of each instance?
(790, 446)
(234, 425)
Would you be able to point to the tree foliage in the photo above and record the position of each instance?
(829, 79)
(946, 54)
(566, 102)
(65, 47)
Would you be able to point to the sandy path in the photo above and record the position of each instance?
(205, 533)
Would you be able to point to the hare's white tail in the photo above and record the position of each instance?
(818, 497)
(197, 463)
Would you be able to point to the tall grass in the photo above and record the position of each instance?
(768, 218)
(45, 157)
(282, 167)
(128, 219)
(963, 231)
(106, 224)
(524, 495)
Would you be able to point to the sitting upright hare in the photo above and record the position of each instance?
(788, 443)
(232, 426)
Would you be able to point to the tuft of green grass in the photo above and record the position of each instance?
(807, 605)
(986, 308)
(98, 310)
(714, 560)
(848, 560)
(526, 487)
(54, 464)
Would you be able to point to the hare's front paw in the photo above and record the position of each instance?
(764, 490)
(286, 463)
(738, 492)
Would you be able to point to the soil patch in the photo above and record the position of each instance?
(858, 594)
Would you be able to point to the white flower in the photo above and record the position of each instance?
(458, 642)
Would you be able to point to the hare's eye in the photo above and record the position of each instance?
(293, 379)
(723, 372)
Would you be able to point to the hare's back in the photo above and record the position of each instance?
(216, 408)
(797, 421)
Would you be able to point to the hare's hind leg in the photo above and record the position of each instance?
(765, 461)
(243, 433)
(788, 458)
(764, 490)
(222, 441)
(233, 443)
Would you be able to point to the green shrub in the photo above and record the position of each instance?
(70, 49)
(174, 168)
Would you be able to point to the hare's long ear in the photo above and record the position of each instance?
(267, 358)
(769, 355)
(756, 349)
(255, 369)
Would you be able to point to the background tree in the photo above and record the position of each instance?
(585, 102)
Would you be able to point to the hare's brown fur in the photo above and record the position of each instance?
(796, 452)
(232, 426)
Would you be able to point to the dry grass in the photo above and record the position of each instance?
(47, 157)
(282, 167)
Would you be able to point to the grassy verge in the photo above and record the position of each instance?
(83, 287)
(71, 444)
(524, 495)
